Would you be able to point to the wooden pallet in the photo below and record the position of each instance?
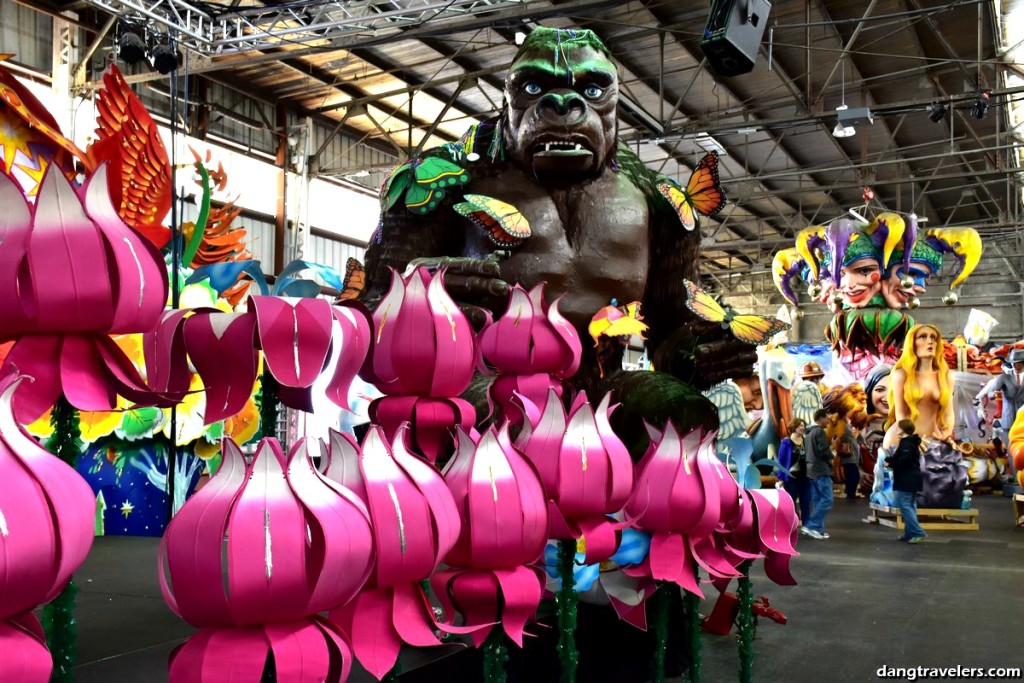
(938, 519)
(1018, 509)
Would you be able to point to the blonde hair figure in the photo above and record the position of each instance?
(921, 385)
(921, 390)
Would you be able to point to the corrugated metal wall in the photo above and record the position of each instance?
(332, 252)
(26, 34)
(259, 237)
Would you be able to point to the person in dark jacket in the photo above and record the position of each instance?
(906, 480)
(819, 471)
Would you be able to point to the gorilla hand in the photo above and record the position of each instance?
(703, 353)
(474, 284)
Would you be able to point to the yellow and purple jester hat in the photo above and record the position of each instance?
(884, 264)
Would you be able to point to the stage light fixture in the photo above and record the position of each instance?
(937, 111)
(131, 46)
(980, 107)
(166, 57)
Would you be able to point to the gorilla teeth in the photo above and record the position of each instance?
(548, 146)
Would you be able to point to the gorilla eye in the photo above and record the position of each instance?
(532, 88)
(593, 91)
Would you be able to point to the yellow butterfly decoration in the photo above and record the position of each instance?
(752, 329)
(617, 321)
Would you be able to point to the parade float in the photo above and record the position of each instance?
(871, 275)
(563, 445)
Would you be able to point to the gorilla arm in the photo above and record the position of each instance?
(475, 283)
(698, 352)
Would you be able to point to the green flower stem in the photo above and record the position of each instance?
(691, 629)
(59, 615)
(661, 604)
(61, 630)
(65, 442)
(565, 603)
(495, 656)
(745, 624)
(270, 405)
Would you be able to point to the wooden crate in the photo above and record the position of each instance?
(937, 519)
(1018, 509)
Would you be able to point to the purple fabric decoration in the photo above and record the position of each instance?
(837, 240)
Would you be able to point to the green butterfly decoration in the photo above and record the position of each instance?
(422, 182)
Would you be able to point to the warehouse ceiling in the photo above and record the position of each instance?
(403, 73)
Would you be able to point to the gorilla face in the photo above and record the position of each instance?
(561, 104)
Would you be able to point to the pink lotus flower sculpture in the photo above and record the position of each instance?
(679, 497)
(533, 348)
(297, 544)
(767, 527)
(415, 524)
(297, 337)
(422, 359)
(504, 529)
(110, 280)
(46, 530)
(585, 469)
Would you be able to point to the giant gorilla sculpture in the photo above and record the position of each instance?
(600, 229)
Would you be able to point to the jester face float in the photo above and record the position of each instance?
(869, 275)
(561, 95)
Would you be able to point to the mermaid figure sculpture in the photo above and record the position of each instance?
(921, 390)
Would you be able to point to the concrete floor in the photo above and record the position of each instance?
(864, 601)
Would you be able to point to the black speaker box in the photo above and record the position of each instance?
(733, 35)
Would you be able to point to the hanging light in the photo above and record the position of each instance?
(131, 45)
(937, 111)
(165, 56)
(842, 130)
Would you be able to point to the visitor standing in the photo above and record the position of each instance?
(793, 459)
(819, 472)
(906, 480)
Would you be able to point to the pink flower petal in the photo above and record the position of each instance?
(340, 552)
(455, 343)
(17, 308)
(352, 327)
(141, 276)
(295, 335)
(193, 546)
(38, 358)
(64, 240)
(266, 546)
(62, 503)
(221, 348)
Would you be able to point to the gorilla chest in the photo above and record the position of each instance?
(589, 242)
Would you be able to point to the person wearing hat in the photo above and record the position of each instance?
(811, 372)
(1011, 384)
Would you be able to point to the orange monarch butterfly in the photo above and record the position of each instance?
(355, 280)
(503, 224)
(702, 194)
(752, 329)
